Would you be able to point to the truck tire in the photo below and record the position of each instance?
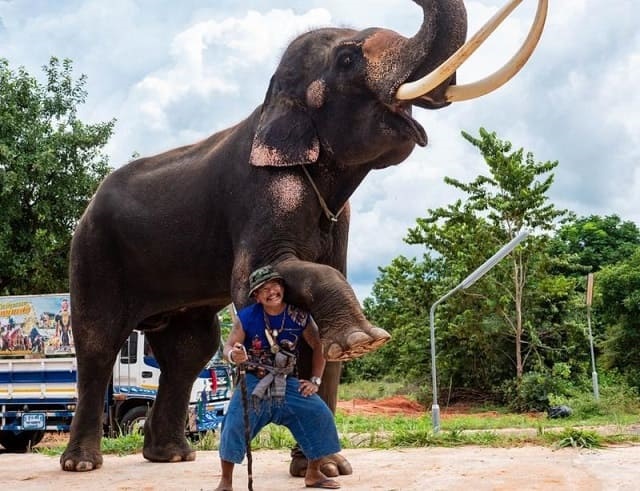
(133, 420)
(20, 441)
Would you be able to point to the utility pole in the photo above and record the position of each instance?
(594, 373)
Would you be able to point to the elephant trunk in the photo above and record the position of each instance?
(445, 26)
(442, 32)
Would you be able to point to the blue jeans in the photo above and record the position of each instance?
(308, 418)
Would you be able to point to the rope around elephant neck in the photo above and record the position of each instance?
(330, 216)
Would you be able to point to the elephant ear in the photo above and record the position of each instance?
(285, 135)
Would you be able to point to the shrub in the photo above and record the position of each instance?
(616, 397)
(534, 391)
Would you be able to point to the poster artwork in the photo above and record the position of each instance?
(36, 325)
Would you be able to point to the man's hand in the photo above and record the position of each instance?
(307, 388)
(238, 354)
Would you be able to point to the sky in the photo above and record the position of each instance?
(172, 73)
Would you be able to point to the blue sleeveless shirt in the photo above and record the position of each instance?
(285, 328)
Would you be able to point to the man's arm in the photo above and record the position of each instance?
(234, 349)
(311, 335)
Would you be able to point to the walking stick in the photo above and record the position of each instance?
(242, 379)
(242, 376)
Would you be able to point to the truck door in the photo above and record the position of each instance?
(136, 371)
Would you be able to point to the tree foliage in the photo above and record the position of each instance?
(519, 333)
(618, 302)
(511, 197)
(402, 294)
(518, 315)
(587, 245)
(50, 165)
(594, 242)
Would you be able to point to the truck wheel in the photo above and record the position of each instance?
(133, 420)
(20, 441)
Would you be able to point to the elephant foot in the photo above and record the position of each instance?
(75, 459)
(169, 453)
(358, 343)
(331, 466)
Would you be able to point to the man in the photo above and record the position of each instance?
(266, 336)
(63, 324)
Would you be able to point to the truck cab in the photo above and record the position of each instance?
(134, 386)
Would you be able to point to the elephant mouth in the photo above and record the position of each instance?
(408, 124)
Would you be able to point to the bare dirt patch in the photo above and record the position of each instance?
(403, 406)
(389, 406)
(529, 468)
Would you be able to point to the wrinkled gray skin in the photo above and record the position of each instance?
(169, 240)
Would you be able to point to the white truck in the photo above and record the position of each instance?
(38, 375)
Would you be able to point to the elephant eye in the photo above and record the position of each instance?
(345, 59)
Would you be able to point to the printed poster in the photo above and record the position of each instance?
(35, 325)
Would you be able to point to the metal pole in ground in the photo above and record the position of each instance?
(594, 373)
(464, 284)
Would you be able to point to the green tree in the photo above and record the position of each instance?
(594, 242)
(50, 165)
(589, 244)
(617, 298)
(401, 296)
(477, 330)
(513, 196)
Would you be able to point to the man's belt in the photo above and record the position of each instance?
(257, 370)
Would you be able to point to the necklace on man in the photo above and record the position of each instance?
(272, 333)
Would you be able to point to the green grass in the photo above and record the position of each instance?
(592, 424)
(390, 432)
(122, 445)
(482, 421)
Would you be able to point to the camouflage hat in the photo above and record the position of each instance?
(262, 275)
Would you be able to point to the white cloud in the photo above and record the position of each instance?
(217, 71)
(236, 44)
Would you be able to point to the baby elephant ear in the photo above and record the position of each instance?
(285, 135)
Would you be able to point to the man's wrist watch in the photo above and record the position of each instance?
(316, 381)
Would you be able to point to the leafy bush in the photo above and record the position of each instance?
(534, 391)
(616, 397)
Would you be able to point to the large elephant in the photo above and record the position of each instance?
(169, 240)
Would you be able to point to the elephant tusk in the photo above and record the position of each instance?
(454, 93)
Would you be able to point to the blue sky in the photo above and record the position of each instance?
(174, 72)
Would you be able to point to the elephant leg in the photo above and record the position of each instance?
(335, 464)
(97, 345)
(324, 291)
(182, 349)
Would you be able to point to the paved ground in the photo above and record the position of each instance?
(451, 469)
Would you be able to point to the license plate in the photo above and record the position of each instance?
(33, 421)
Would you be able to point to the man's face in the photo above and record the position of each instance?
(270, 294)
(65, 305)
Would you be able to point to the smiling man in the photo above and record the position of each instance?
(265, 337)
